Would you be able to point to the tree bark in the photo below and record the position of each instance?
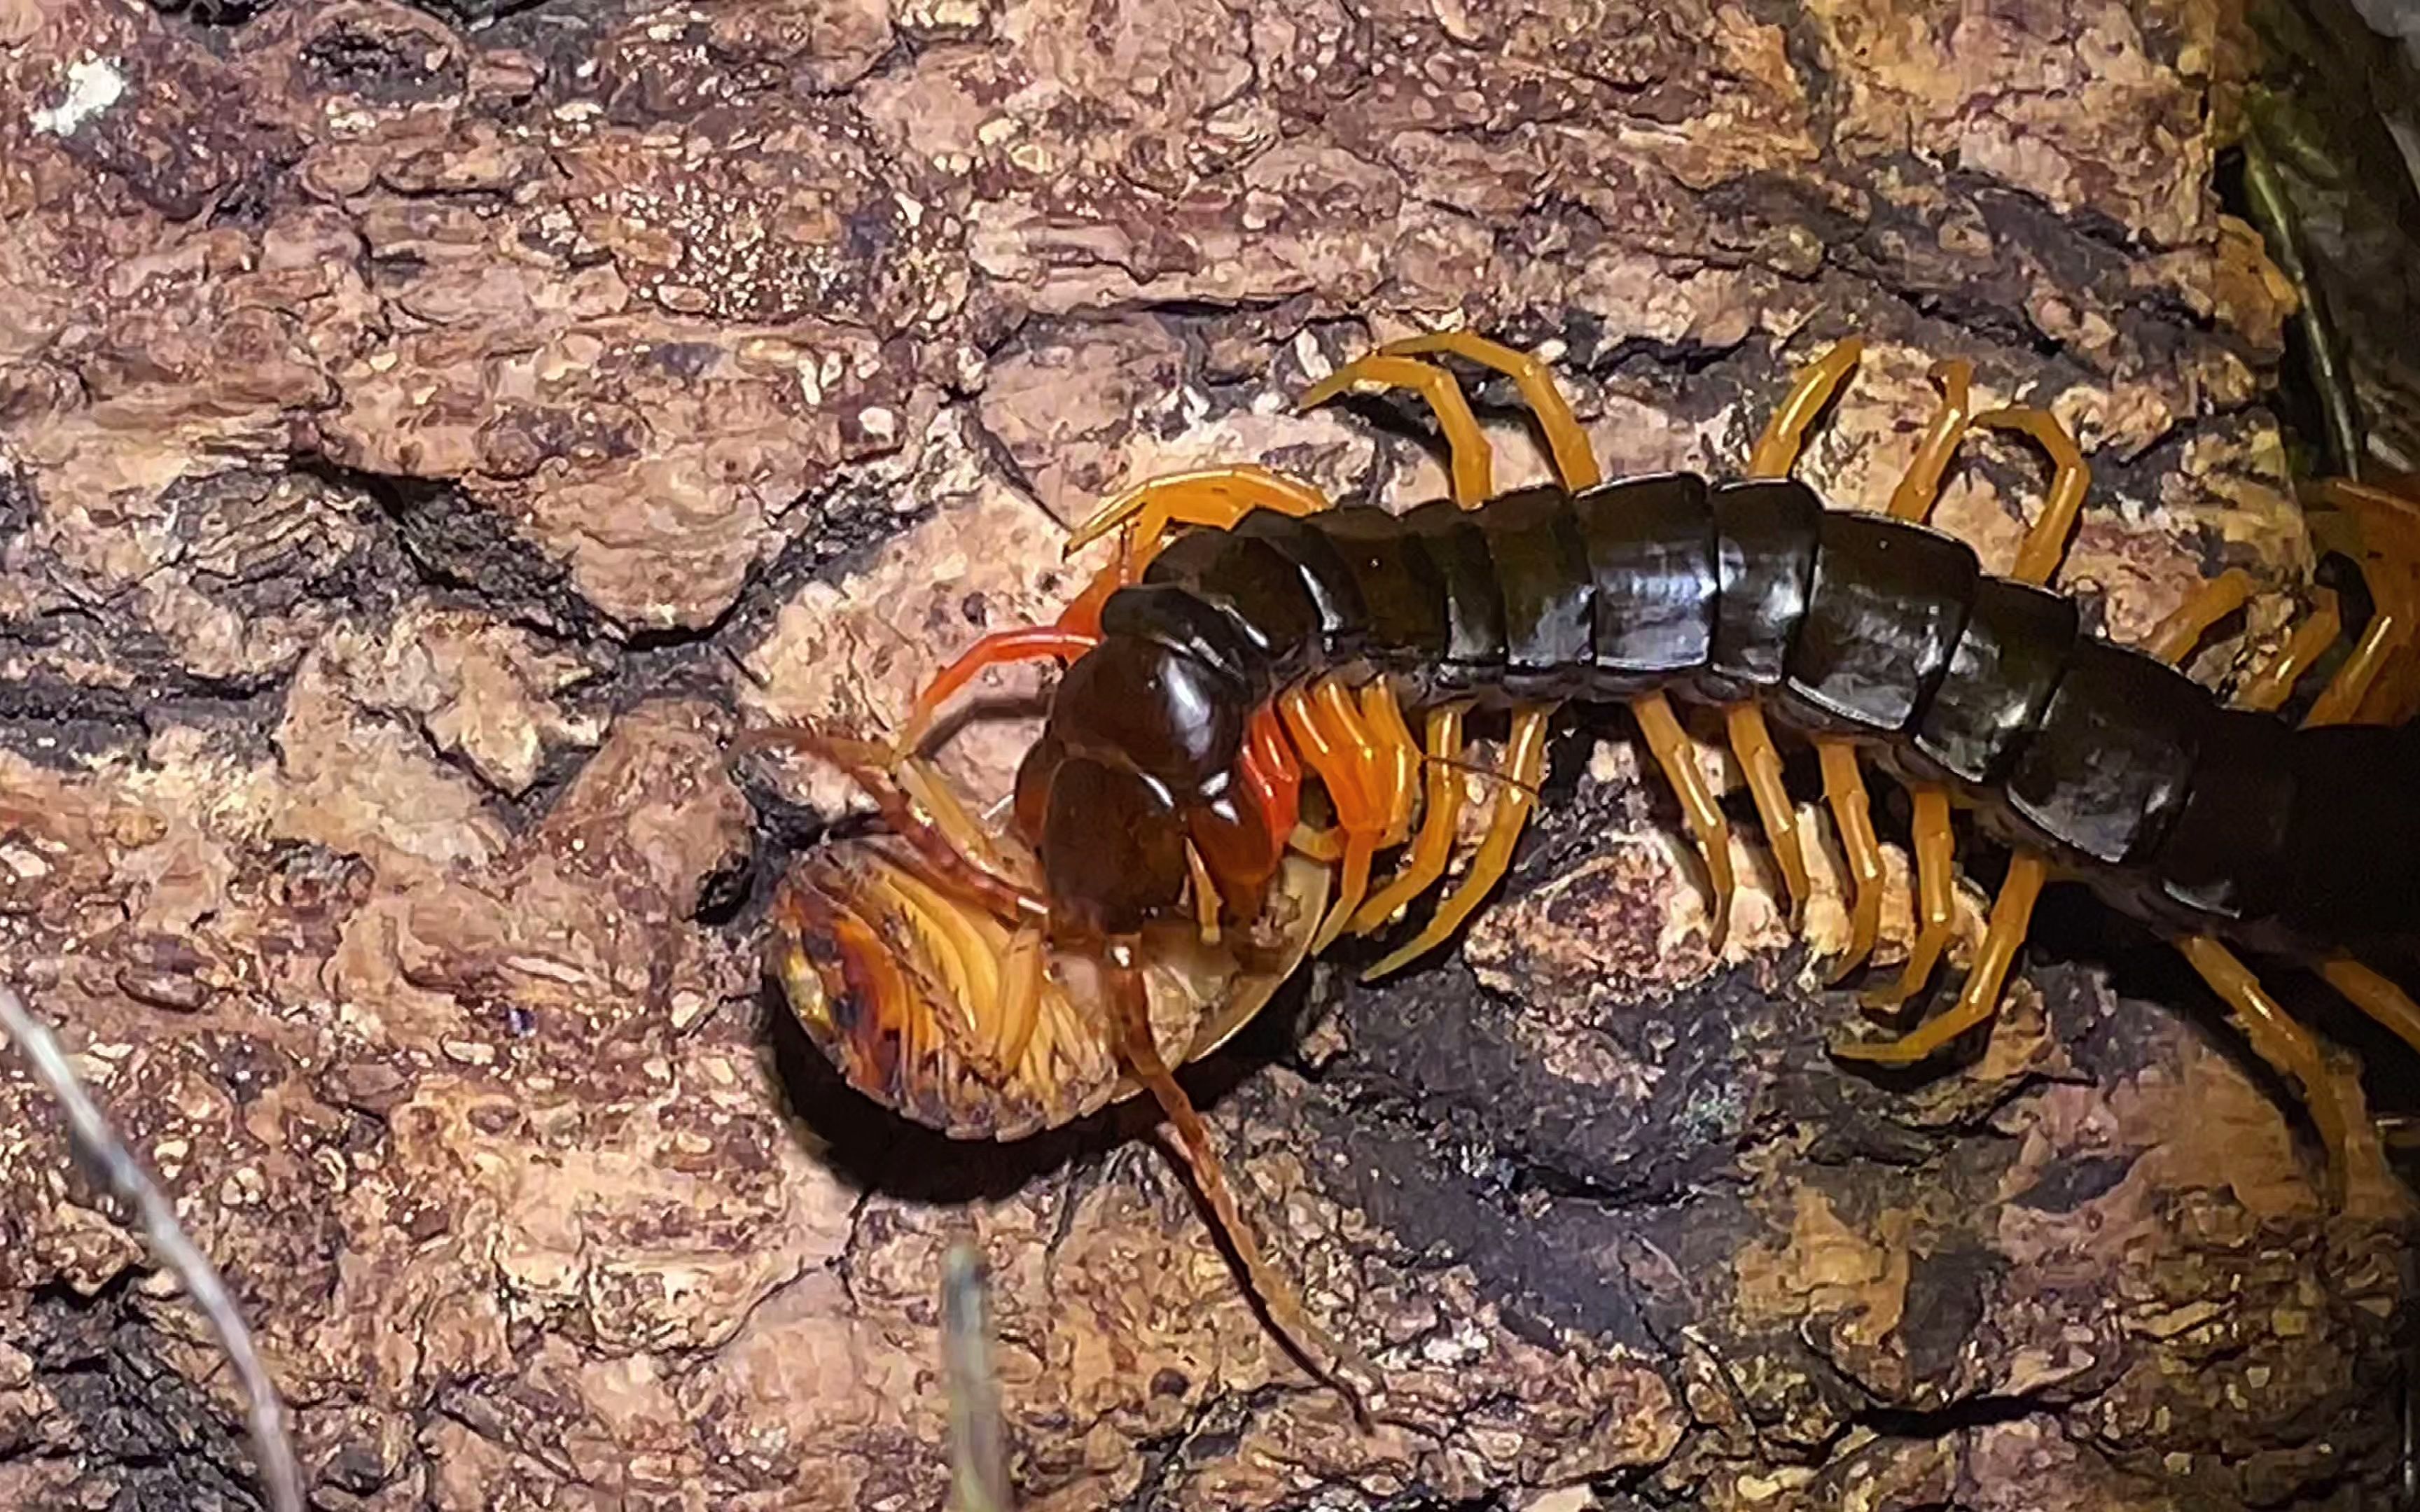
(423, 443)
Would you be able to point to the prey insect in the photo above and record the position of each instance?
(1264, 695)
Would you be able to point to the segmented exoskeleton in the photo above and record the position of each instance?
(1251, 641)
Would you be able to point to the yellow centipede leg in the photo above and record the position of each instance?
(1919, 486)
(1441, 809)
(1215, 497)
(2374, 685)
(1752, 742)
(2284, 1043)
(1575, 462)
(2386, 1003)
(1979, 999)
(2269, 687)
(2173, 638)
(2045, 544)
(1396, 762)
(1844, 788)
(1678, 759)
(1327, 730)
(1936, 843)
(1936, 899)
(1332, 1362)
(1524, 764)
(1473, 462)
(1785, 434)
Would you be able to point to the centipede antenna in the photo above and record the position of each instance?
(978, 1451)
(126, 1181)
(1330, 1361)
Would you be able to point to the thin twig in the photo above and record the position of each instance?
(978, 1461)
(133, 1185)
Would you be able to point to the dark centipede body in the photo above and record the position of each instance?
(2180, 812)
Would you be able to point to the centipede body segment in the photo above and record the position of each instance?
(1251, 646)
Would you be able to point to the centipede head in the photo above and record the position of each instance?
(935, 1007)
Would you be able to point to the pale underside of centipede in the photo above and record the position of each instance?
(932, 966)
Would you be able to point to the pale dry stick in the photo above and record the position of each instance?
(126, 1178)
(978, 1463)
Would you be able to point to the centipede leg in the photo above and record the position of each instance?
(1215, 497)
(1979, 999)
(2173, 638)
(1396, 759)
(869, 767)
(1326, 730)
(1440, 811)
(2045, 544)
(1936, 844)
(2386, 1004)
(1271, 778)
(1844, 788)
(1785, 433)
(2375, 683)
(1936, 865)
(1752, 742)
(1576, 464)
(1678, 759)
(1919, 486)
(2269, 687)
(2285, 1045)
(1473, 461)
(1329, 1360)
(1523, 766)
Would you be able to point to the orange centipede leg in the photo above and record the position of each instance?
(1979, 998)
(1001, 648)
(2274, 684)
(1473, 461)
(2173, 638)
(1326, 731)
(1785, 434)
(1844, 789)
(1936, 843)
(1919, 486)
(1524, 765)
(2375, 683)
(1936, 861)
(1271, 777)
(1395, 762)
(2285, 1044)
(1678, 757)
(1329, 1360)
(1752, 742)
(2045, 544)
(2390, 1005)
(1441, 809)
(1575, 463)
(1215, 497)
(868, 766)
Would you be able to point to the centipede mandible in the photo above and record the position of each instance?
(1264, 697)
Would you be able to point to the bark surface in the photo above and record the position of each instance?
(426, 435)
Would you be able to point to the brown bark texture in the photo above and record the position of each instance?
(425, 436)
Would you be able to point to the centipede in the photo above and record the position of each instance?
(1264, 696)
